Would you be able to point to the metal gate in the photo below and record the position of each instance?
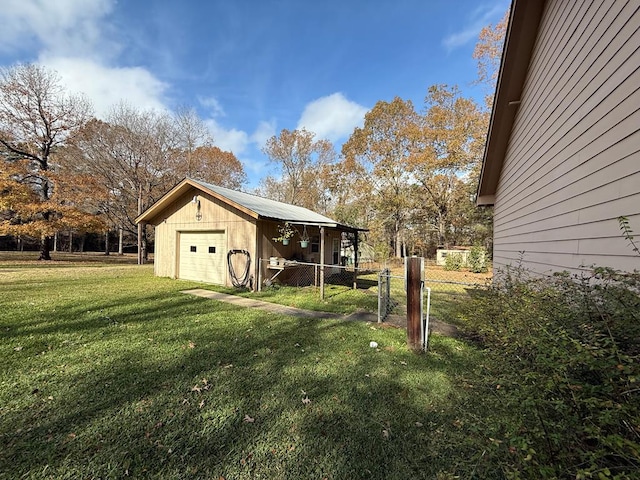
(386, 303)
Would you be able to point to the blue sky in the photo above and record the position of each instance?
(252, 67)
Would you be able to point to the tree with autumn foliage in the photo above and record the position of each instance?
(37, 117)
(488, 52)
(449, 144)
(130, 160)
(211, 164)
(376, 158)
(304, 163)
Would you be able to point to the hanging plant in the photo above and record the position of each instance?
(286, 231)
(304, 238)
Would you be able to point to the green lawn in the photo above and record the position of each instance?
(107, 372)
(445, 298)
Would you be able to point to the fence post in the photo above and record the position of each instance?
(380, 296)
(414, 301)
(259, 275)
(322, 240)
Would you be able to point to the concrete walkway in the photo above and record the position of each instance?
(362, 316)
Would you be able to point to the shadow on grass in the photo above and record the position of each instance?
(200, 389)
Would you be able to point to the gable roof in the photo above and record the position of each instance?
(253, 205)
(520, 38)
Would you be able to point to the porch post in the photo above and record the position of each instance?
(355, 261)
(322, 239)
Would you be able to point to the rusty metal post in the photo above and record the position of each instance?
(414, 303)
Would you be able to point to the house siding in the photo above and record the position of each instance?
(572, 165)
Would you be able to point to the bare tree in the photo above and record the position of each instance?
(191, 133)
(130, 157)
(36, 118)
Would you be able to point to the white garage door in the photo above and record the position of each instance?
(202, 257)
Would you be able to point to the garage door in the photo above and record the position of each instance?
(202, 257)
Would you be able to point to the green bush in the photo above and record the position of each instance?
(477, 260)
(566, 357)
(453, 261)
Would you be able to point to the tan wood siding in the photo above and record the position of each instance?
(573, 161)
(181, 216)
(271, 248)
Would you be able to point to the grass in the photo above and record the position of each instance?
(107, 371)
(338, 298)
(445, 297)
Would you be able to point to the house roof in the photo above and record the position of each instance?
(520, 39)
(253, 205)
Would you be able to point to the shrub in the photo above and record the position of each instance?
(566, 357)
(477, 260)
(453, 261)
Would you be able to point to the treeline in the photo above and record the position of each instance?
(63, 170)
(409, 177)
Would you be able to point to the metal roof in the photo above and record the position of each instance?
(268, 208)
(253, 205)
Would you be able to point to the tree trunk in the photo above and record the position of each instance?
(398, 241)
(45, 248)
(145, 245)
(120, 241)
(82, 240)
(106, 243)
(141, 242)
(442, 230)
(55, 242)
(70, 241)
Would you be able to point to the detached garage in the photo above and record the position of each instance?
(206, 233)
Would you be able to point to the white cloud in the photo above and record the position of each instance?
(231, 140)
(106, 86)
(61, 27)
(212, 104)
(73, 38)
(264, 132)
(479, 18)
(332, 117)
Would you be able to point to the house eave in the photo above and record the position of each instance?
(339, 226)
(520, 39)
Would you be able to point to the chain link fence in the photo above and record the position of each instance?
(301, 274)
(448, 287)
(392, 298)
